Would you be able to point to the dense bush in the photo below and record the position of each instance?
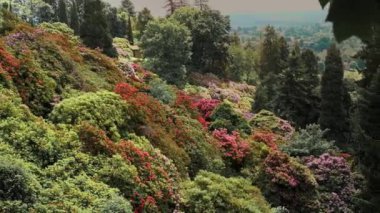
(105, 110)
(336, 182)
(231, 145)
(213, 193)
(267, 121)
(16, 183)
(162, 91)
(309, 141)
(288, 183)
(224, 116)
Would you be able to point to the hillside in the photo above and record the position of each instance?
(178, 115)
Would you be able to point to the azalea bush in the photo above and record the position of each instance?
(232, 146)
(267, 138)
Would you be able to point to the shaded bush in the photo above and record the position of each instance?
(15, 182)
(285, 182)
(224, 116)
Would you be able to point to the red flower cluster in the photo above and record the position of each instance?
(125, 90)
(266, 137)
(185, 100)
(206, 106)
(8, 63)
(231, 145)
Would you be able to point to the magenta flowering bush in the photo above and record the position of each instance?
(336, 182)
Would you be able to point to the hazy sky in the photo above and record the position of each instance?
(237, 6)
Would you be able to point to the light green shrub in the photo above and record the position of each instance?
(213, 193)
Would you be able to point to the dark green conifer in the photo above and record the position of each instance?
(334, 116)
(94, 30)
(273, 59)
(130, 31)
(74, 17)
(62, 12)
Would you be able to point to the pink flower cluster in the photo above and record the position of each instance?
(231, 145)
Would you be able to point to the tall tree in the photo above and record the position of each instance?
(62, 12)
(74, 17)
(143, 18)
(129, 7)
(369, 114)
(94, 30)
(273, 60)
(297, 100)
(210, 32)
(167, 47)
(333, 113)
(130, 31)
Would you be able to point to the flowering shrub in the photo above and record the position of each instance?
(206, 107)
(231, 145)
(125, 90)
(151, 119)
(267, 121)
(289, 183)
(8, 64)
(266, 137)
(336, 182)
(153, 188)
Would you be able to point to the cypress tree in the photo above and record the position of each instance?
(62, 12)
(130, 31)
(74, 17)
(369, 120)
(94, 30)
(333, 114)
(129, 7)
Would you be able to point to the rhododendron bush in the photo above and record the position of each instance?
(231, 145)
(336, 182)
(289, 183)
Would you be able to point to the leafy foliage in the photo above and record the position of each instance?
(105, 110)
(211, 193)
(224, 116)
(167, 46)
(309, 141)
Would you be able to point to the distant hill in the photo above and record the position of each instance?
(277, 19)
